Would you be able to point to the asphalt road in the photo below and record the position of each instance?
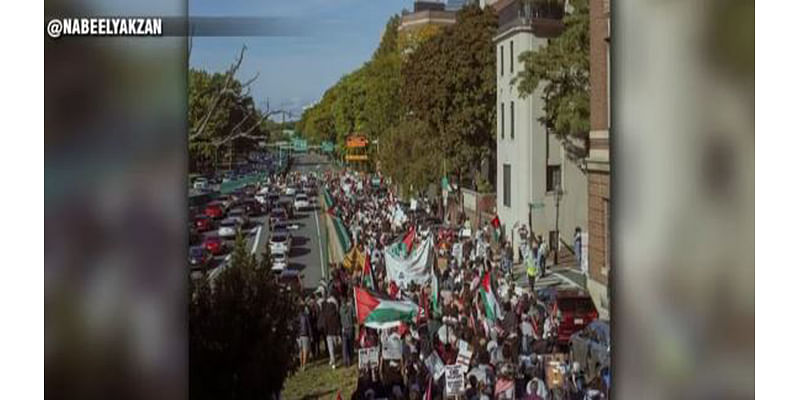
(306, 227)
(307, 248)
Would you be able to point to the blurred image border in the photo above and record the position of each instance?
(22, 297)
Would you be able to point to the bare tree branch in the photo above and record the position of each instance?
(234, 68)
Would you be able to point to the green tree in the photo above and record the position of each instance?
(559, 72)
(241, 332)
(449, 83)
(407, 156)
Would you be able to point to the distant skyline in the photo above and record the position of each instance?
(295, 71)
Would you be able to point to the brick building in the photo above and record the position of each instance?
(598, 163)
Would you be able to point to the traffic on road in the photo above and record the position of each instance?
(276, 214)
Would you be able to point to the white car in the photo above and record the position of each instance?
(290, 191)
(200, 184)
(279, 262)
(279, 244)
(227, 228)
(301, 202)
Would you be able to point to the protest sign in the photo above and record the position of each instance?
(454, 380)
(392, 348)
(435, 365)
(368, 357)
(464, 356)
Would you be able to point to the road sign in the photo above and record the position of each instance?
(327, 146)
(536, 205)
(300, 145)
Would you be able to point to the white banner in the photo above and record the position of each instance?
(454, 379)
(414, 268)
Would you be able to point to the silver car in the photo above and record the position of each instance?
(591, 347)
(228, 228)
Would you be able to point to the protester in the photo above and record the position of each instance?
(347, 318)
(304, 333)
(332, 327)
(467, 310)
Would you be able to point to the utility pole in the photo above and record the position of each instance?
(559, 193)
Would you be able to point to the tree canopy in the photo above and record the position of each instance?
(430, 89)
(242, 332)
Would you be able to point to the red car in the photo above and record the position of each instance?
(214, 210)
(214, 245)
(576, 310)
(203, 223)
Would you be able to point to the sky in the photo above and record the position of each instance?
(295, 71)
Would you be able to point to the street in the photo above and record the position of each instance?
(307, 247)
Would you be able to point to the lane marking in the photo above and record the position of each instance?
(255, 243)
(319, 243)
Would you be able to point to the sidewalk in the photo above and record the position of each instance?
(560, 277)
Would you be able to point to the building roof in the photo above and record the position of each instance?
(544, 20)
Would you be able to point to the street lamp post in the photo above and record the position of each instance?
(559, 194)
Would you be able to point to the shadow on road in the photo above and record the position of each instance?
(297, 252)
(296, 266)
(299, 240)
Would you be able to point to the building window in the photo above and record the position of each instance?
(512, 120)
(502, 120)
(502, 60)
(553, 177)
(507, 185)
(511, 60)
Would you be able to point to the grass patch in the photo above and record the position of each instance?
(319, 381)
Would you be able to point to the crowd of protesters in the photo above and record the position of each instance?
(508, 349)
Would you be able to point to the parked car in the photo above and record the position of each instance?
(228, 228)
(203, 223)
(214, 210)
(591, 347)
(194, 236)
(301, 202)
(279, 262)
(292, 280)
(240, 215)
(273, 198)
(277, 214)
(252, 207)
(279, 244)
(214, 245)
(225, 200)
(198, 258)
(576, 310)
(200, 184)
(288, 205)
(290, 190)
(282, 228)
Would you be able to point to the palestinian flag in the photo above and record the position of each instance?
(408, 241)
(378, 313)
(492, 307)
(367, 279)
(496, 225)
